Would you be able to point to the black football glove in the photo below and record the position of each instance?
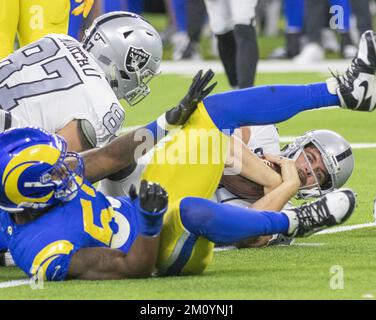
(197, 92)
(153, 198)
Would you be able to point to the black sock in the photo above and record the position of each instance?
(247, 54)
(292, 44)
(227, 53)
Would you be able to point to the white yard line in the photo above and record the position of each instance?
(308, 244)
(190, 67)
(14, 283)
(347, 228)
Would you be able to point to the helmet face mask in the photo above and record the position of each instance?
(142, 89)
(128, 50)
(336, 155)
(65, 176)
(311, 190)
(37, 171)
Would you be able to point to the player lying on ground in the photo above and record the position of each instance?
(323, 159)
(76, 244)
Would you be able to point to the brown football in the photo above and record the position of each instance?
(244, 188)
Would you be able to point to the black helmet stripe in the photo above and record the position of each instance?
(344, 155)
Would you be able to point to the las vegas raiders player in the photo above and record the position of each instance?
(73, 89)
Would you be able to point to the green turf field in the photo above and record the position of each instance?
(301, 271)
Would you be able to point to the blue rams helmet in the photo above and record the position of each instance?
(33, 170)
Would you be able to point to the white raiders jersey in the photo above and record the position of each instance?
(54, 81)
(264, 139)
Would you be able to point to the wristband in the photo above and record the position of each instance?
(149, 223)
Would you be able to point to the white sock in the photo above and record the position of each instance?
(332, 85)
(293, 221)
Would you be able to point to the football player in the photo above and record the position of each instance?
(74, 89)
(33, 19)
(324, 161)
(33, 179)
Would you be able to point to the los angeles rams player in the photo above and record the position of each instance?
(57, 226)
(192, 224)
(33, 19)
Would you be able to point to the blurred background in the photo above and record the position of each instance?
(303, 30)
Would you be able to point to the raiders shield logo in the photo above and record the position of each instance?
(136, 57)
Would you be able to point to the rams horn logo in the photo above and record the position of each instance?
(136, 58)
(21, 162)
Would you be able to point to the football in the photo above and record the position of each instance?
(244, 188)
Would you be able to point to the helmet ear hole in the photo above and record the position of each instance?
(127, 34)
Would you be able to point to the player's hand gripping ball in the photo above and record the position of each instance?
(244, 188)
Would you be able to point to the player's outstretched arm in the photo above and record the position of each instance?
(106, 263)
(121, 152)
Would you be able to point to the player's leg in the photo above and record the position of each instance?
(276, 103)
(342, 10)
(294, 12)
(9, 14)
(41, 17)
(266, 104)
(220, 20)
(194, 218)
(243, 17)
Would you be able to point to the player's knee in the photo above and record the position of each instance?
(195, 213)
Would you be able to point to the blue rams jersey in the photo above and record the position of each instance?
(89, 220)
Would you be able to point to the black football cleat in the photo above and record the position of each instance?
(332, 209)
(357, 87)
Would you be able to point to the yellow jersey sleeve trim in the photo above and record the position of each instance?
(48, 254)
